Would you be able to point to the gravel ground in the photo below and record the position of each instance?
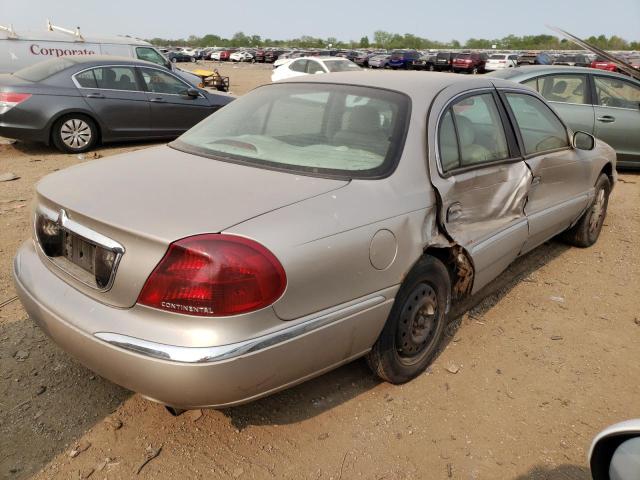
(545, 357)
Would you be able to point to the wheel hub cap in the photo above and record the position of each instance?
(418, 321)
(75, 133)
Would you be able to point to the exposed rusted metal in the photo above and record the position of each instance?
(464, 273)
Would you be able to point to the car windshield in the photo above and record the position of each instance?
(322, 129)
(497, 57)
(42, 70)
(340, 66)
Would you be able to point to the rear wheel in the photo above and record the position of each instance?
(474, 70)
(586, 232)
(75, 133)
(411, 338)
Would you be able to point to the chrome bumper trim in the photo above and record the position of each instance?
(233, 350)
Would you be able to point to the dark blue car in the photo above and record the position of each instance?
(403, 59)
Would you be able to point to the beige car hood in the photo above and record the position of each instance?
(165, 194)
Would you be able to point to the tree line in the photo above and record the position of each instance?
(388, 40)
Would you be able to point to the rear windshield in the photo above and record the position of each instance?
(443, 55)
(322, 129)
(42, 70)
(341, 66)
(464, 55)
(497, 57)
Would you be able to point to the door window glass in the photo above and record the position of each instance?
(541, 130)
(613, 92)
(150, 55)
(563, 88)
(116, 78)
(314, 67)
(298, 66)
(449, 156)
(163, 82)
(86, 79)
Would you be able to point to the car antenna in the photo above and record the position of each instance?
(624, 66)
(54, 28)
(11, 33)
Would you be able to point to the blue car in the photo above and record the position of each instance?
(403, 59)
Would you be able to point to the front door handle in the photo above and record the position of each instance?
(157, 100)
(606, 119)
(454, 212)
(95, 95)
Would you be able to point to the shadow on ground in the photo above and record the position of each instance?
(47, 400)
(334, 388)
(563, 472)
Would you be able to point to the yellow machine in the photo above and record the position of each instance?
(213, 79)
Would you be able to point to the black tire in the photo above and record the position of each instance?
(413, 334)
(474, 71)
(192, 59)
(174, 60)
(586, 232)
(431, 68)
(74, 133)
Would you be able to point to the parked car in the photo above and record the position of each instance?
(473, 62)
(176, 56)
(604, 104)
(225, 54)
(362, 59)
(241, 56)
(312, 66)
(379, 61)
(271, 56)
(573, 60)
(77, 102)
(604, 64)
(500, 61)
(348, 54)
(444, 61)
(402, 59)
(426, 61)
(533, 58)
(301, 227)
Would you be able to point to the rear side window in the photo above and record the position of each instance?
(541, 130)
(298, 66)
(86, 79)
(115, 78)
(471, 133)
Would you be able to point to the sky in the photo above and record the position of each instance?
(282, 19)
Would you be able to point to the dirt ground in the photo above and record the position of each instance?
(546, 357)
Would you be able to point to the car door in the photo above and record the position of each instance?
(618, 115)
(173, 111)
(570, 96)
(561, 174)
(115, 94)
(481, 180)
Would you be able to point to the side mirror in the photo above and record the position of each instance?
(583, 141)
(193, 92)
(615, 452)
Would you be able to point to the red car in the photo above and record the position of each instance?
(470, 62)
(225, 54)
(604, 64)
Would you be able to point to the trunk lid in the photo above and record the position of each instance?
(147, 199)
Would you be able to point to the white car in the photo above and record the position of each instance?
(189, 51)
(215, 55)
(500, 61)
(312, 65)
(242, 56)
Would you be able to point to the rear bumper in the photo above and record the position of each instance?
(185, 377)
(25, 134)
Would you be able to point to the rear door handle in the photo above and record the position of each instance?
(606, 119)
(95, 95)
(157, 100)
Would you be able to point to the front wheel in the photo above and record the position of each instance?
(412, 336)
(74, 133)
(586, 232)
(474, 71)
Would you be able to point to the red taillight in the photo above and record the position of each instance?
(214, 275)
(8, 100)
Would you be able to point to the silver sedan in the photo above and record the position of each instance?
(304, 225)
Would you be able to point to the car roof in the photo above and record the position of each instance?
(422, 86)
(529, 71)
(54, 36)
(107, 60)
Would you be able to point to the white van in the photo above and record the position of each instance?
(21, 49)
